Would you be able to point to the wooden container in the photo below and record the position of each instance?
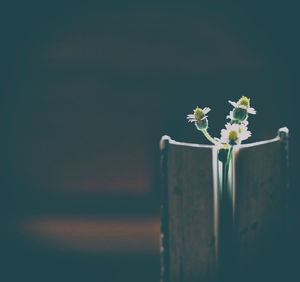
(193, 227)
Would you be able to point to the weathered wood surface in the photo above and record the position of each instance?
(190, 214)
(260, 209)
(190, 206)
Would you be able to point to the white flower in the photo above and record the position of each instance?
(243, 103)
(199, 117)
(234, 134)
(241, 110)
(198, 114)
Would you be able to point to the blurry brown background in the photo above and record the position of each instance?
(87, 90)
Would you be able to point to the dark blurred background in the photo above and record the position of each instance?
(87, 90)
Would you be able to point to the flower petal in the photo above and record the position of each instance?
(242, 107)
(233, 103)
(230, 116)
(206, 110)
(245, 122)
(251, 111)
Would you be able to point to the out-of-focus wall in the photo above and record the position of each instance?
(88, 90)
(95, 87)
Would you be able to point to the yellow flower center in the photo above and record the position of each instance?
(244, 101)
(198, 113)
(233, 135)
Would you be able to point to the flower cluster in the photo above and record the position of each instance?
(235, 131)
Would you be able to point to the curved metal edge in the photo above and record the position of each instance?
(283, 133)
(164, 141)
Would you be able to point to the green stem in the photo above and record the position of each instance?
(212, 140)
(225, 222)
(229, 157)
(226, 166)
(224, 177)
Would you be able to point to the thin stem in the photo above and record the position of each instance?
(226, 165)
(225, 223)
(212, 140)
(224, 178)
(229, 156)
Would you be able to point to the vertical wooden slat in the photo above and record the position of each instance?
(164, 230)
(192, 240)
(260, 194)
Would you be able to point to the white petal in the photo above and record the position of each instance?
(243, 127)
(224, 140)
(232, 126)
(224, 132)
(233, 103)
(251, 111)
(243, 107)
(206, 110)
(245, 136)
(230, 116)
(245, 122)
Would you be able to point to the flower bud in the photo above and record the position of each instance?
(199, 113)
(244, 101)
(222, 154)
(239, 114)
(201, 124)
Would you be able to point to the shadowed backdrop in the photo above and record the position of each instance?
(88, 90)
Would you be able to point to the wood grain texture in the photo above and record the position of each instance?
(260, 209)
(192, 248)
(254, 249)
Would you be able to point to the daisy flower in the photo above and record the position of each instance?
(199, 117)
(241, 109)
(243, 103)
(234, 134)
